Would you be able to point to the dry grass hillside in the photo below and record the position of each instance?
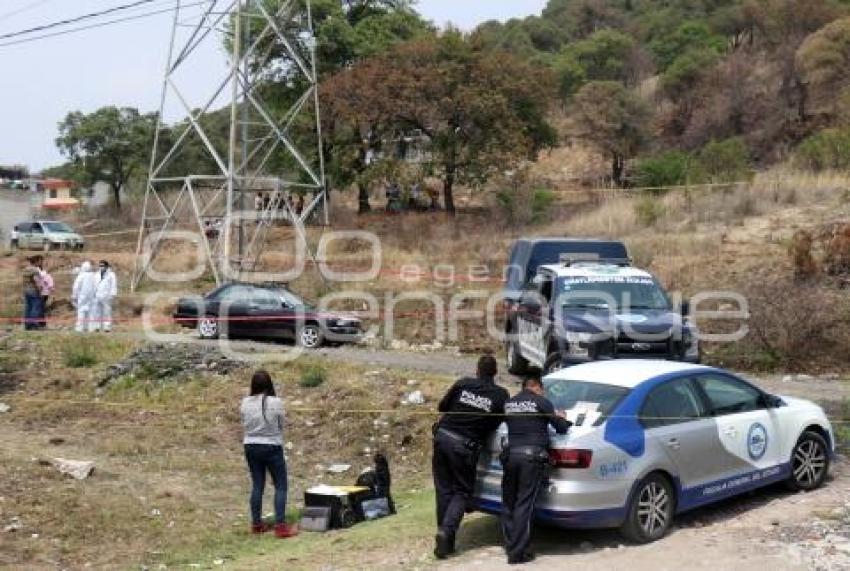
(732, 238)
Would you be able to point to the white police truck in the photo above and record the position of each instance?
(588, 308)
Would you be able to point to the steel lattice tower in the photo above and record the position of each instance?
(260, 43)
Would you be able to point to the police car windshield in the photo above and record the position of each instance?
(599, 292)
(566, 394)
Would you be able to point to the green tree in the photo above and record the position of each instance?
(823, 59)
(670, 168)
(346, 32)
(683, 75)
(604, 55)
(612, 118)
(110, 144)
(482, 110)
(826, 149)
(687, 37)
(725, 161)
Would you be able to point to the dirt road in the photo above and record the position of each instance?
(829, 388)
(771, 529)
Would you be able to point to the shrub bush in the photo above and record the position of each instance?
(793, 326)
(725, 161)
(666, 169)
(648, 210)
(521, 202)
(79, 356)
(827, 149)
(312, 377)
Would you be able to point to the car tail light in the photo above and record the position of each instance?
(570, 458)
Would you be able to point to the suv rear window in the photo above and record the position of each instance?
(565, 394)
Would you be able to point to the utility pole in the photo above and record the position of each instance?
(180, 202)
(244, 37)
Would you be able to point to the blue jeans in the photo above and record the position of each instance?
(264, 458)
(33, 310)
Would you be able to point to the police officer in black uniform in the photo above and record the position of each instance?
(525, 459)
(472, 410)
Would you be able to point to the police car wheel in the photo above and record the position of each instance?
(809, 462)
(517, 364)
(208, 328)
(650, 510)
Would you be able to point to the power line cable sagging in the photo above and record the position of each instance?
(74, 20)
(32, 5)
(32, 38)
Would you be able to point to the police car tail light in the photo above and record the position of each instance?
(570, 458)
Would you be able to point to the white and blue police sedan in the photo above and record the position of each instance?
(652, 439)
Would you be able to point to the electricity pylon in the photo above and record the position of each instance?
(261, 42)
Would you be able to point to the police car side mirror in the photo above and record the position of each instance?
(773, 401)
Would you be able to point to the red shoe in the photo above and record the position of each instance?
(284, 530)
(260, 528)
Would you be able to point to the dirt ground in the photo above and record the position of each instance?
(169, 489)
(742, 533)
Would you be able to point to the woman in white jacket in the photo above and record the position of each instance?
(105, 292)
(82, 296)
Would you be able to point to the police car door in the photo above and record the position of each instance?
(748, 429)
(676, 418)
(533, 318)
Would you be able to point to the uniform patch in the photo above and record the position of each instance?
(520, 407)
(475, 401)
(757, 441)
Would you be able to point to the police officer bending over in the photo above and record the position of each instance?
(528, 416)
(472, 411)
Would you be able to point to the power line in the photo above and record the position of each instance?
(76, 19)
(23, 9)
(99, 24)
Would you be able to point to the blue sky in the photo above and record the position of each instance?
(122, 64)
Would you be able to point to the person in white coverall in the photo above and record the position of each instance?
(105, 291)
(83, 297)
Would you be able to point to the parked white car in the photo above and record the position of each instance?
(652, 439)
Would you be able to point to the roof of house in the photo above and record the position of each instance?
(56, 183)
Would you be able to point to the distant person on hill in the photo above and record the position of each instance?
(258, 205)
(434, 195)
(46, 285)
(105, 292)
(82, 296)
(33, 302)
(262, 420)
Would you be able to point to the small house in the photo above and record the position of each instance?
(57, 194)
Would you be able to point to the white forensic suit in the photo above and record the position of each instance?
(82, 295)
(105, 292)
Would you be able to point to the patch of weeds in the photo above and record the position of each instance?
(649, 210)
(79, 355)
(147, 371)
(123, 384)
(312, 377)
